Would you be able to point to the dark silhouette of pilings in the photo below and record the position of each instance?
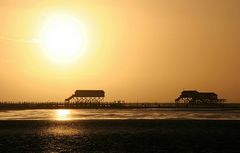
(106, 105)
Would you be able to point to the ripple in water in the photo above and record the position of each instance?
(89, 114)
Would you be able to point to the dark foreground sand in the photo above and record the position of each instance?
(148, 136)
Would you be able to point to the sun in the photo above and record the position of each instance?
(62, 38)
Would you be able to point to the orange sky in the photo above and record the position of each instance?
(145, 50)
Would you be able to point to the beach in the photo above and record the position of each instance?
(180, 136)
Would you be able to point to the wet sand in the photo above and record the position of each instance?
(147, 136)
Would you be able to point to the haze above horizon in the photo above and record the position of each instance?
(136, 50)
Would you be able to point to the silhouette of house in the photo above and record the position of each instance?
(87, 96)
(195, 97)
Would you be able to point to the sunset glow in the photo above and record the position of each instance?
(63, 114)
(62, 38)
(134, 50)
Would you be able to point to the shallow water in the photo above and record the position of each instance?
(88, 114)
(120, 131)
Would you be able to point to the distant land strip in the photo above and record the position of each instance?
(109, 105)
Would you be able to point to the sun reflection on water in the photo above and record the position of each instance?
(63, 114)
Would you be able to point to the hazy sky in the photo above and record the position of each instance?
(145, 50)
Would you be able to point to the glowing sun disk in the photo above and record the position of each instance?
(62, 38)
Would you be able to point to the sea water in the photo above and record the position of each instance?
(101, 114)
